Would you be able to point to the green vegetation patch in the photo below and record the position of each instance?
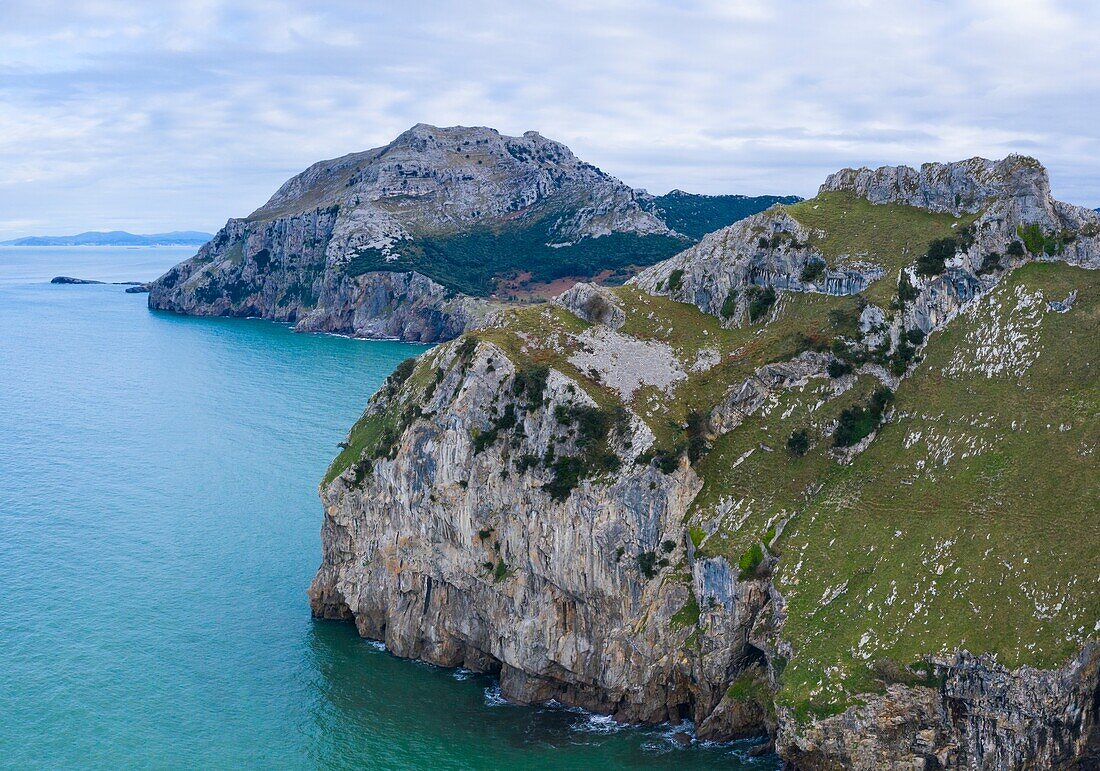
(697, 215)
(471, 261)
(376, 433)
(687, 616)
(889, 235)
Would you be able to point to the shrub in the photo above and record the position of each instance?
(1038, 242)
(763, 243)
(965, 236)
(647, 563)
(990, 263)
(466, 348)
(882, 398)
(397, 378)
(568, 472)
(838, 368)
(931, 263)
(504, 422)
(750, 561)
(812, 271)
(500, 572)
(729, 305)
(903, 354)
(915, 336)
(667, 546)
(906, 291)
(761, 300)
(698, 429)
(1015, 249)
(667, 460)
(798, 442)
(531, 381)
(856, 423)
(526, 461)
(1032, 236)
(674, 279)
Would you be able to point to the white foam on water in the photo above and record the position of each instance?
(378, 645)
(598, 724)
(493, 697)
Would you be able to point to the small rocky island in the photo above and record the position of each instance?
(133, 287)
(829, 475)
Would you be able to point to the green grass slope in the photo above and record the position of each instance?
(971, 520)
(851, 228)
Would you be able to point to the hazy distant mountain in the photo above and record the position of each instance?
(115, 238)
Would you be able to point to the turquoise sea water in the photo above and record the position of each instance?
(159, 525)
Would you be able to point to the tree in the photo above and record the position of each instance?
(931, 263)
(798, 442)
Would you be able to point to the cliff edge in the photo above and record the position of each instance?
(785, 482)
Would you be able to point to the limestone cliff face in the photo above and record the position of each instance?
(293, 259)
(221, 281)
(463, 558)
(767, 249)
(962, 186)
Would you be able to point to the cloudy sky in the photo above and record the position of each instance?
(153, 116)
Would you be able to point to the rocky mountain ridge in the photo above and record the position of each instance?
(412, 240)
(706, 494)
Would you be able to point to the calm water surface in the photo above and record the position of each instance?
(159, 525)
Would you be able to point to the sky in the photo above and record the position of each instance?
(150, 116)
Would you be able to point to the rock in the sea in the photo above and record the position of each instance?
(71, 280)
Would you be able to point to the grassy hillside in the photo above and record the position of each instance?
(971, 520)
(891, 236)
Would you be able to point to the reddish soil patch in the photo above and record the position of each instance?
(520, 289)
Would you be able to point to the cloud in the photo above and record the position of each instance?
(152, 116)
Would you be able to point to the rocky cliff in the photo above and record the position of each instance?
(757, 491)
(411, 240)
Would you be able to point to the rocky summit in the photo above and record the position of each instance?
(828, 475)
(423, 238)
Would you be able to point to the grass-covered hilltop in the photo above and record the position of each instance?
(424, 237)
(830, 474)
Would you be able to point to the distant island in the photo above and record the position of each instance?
(115, 238)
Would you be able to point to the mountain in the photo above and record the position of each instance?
(115, 238)
(418, 239)
(830, 474)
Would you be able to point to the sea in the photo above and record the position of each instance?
(159, 525)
